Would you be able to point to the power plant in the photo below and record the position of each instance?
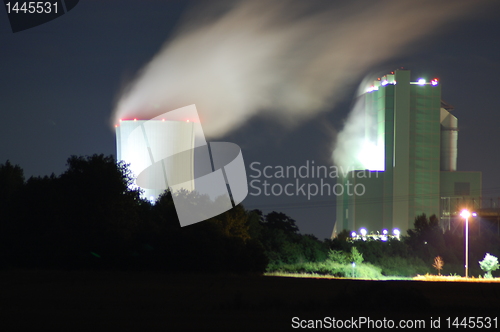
(410, 165)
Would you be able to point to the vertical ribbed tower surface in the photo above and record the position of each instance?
(149, 146)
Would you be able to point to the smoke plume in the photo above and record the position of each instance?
(291, 59)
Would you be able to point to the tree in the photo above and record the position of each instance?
(11, 185)
(356, 256)
(438, 264)
(279, 220)
(426, 239)
(488, 264)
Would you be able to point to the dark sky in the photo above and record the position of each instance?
(59, 83)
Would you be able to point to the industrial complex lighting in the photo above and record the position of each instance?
(353, 234)
(421, 81)
(465, 214)
(363, 231)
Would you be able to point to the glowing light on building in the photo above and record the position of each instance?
(434, 82)
(396, 232)
(421, 81)
(371, 156)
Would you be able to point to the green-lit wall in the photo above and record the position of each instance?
(401, 167)
(369, 210)
(425, 141)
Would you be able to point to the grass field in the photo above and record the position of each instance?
(114, 301)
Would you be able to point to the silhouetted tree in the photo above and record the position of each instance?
(280, 221)
(426, 239)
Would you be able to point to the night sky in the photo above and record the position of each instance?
(60, 81)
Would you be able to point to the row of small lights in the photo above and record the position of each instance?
(135, 119)
(384, 237)
(421, 81)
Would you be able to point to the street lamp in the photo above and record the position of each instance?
(466, 214)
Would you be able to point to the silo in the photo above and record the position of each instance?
(449, 140)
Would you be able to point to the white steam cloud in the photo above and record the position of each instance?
(353, 149)
(287, 58)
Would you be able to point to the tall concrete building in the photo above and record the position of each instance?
(414, 171)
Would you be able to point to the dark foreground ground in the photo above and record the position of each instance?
(133, 301)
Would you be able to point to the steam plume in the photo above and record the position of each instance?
(284, 57)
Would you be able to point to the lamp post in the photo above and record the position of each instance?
(466, 214)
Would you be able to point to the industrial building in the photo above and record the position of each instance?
(157, 150)
(415, 136)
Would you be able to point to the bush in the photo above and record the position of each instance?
(338, 256)
(331, 268)
(402, 267)
(488, 264)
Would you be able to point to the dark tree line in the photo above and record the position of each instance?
(87, 217)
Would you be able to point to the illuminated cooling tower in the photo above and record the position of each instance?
(147, 145)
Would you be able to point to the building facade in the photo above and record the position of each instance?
(416, 135)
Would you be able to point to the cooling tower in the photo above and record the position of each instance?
(149, 146)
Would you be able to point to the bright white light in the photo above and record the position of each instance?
(371, 156)
(385, 82)
(384, 231)
(363, 231)
(421, 81)
(465, 214)
(474, 214)
(434, 81)
(396, 232)
(353, 234)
